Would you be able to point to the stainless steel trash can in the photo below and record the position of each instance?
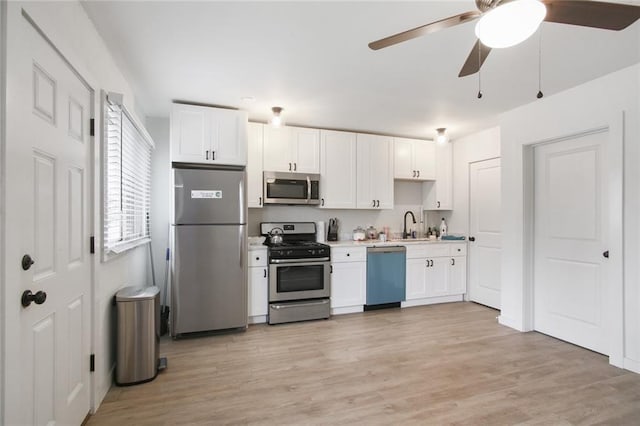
(138, 334)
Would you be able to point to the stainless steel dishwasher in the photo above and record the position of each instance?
(386, 276)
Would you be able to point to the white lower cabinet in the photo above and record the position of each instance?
(436, 273)
(258, 300)
(348, 279)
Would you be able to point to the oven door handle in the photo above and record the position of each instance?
(298, 304)
(308, 189)
(310, 261)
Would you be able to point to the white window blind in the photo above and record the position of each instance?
(127, 181)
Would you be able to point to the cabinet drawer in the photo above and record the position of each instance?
(459, 249)
(437, 250)
(416, 251)
(257, 258)
(348, 254)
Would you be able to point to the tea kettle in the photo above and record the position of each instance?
(275, 236)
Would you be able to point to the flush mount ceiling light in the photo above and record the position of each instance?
(510, 23)
(441, 138)
(276, 120)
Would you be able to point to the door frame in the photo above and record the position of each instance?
(467, 296)
(14, 15)
(613, 126)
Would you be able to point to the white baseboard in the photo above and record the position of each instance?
(347, 310)
(431, 301)
(258, 319)
(631, 365)
(509, 322)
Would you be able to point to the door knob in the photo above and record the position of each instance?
(606, 254)
(28, 297)
(27, 261)
(472, 239)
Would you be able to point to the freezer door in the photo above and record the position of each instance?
(207, 196)
(209, 282)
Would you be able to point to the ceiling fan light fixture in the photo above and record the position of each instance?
(511, 23)
(276, 120)
(441, 137)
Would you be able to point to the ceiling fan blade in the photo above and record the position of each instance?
(475, 59)
(594, 14)
(424, 29)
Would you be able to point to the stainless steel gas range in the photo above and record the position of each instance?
(299, 273)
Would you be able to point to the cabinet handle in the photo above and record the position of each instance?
(289, 166)
(453, 262)
(213, 155)
(348, 254)
(418, 173)
(295, 167)
(378, 203)
(472, 239)
(322, 201)
(259, 201)
(207, 154)
(373, 203)
(331, 269)
(431, 262)
(427, 263)
(438, 204)
(265, 273)
(414, 173)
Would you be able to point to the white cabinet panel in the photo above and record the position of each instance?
(254, 165)
(190, 133)
(414, 159)
(337, 169)
(291, 149)
(348, 254)
(458, 275)
(305, 145)
(416, 279)
(374, 172)
(277, 149)
(258, 291)
(437, 276)
(348, 284)
(438, 195)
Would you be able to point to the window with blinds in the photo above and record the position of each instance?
(127, 179)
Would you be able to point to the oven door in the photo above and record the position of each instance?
(305, 279)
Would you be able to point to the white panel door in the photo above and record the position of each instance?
(485, 241)
(228, 137)
(570, 237)
(254, 165)
(258, 300)
(348, 284)
(425, 160)
(381, 172)
(337, 169)
(190, 133)
(277, 149)
(403, 159)
(49, 177)
(416, 278)
(437, 276)
(458, 275)
(305, 147)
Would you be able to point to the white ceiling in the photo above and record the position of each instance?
(312, 59)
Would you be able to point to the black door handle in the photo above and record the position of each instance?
(453, 262)
(606, 254)
(265, 273)
(438, 204)
(331, 269)
(27, 261)
(418, 173)
(472, 239)
(259, 201)
(207, 154)
(322, 201)
(28, 297)
(295, 167)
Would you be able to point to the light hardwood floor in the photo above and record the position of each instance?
(439, 364)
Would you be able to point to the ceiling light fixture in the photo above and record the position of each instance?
(442, 138)
(510, 23)
(276, 120)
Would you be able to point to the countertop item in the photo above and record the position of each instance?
(359, 234)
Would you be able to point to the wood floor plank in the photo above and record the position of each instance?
(438, 364)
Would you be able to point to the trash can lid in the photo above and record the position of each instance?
(130, 294)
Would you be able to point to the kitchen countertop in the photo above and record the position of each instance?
(398, 242)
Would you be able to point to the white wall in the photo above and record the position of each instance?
(598, 103)
(479, 146)
(73, 33)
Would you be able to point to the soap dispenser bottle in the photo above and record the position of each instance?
(443, 228)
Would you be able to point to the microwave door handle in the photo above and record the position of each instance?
(308, 189)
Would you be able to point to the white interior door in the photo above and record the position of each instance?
(485, 233)
(570, 237)
(48, 217)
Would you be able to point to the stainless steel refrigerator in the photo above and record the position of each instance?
(209, 281)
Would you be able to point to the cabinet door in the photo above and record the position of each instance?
(403, 159)
(337, 169)
(190, 133)
(437, 276)
(228, 137)
(381, 171)
(444, 177)
(277, 149)
(425, 159)
(258, 291)
(458, 275)
(416, 279)
(348, 284)
(305, 148)
(254, 165)
(364, 192)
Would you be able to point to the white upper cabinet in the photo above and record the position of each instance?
(337, 169)
(208, 135)
(254, 165)
(414, 159)
(438, 195)
(291, 149)
(374, 172)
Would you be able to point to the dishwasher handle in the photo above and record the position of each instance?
(387, 249)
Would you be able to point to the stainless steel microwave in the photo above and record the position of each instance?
(291, 188)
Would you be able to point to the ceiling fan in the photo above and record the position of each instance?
(499, 18)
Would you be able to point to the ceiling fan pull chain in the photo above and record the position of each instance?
(540, 94)
(479, 70)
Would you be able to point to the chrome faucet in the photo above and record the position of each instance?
(404, 231)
